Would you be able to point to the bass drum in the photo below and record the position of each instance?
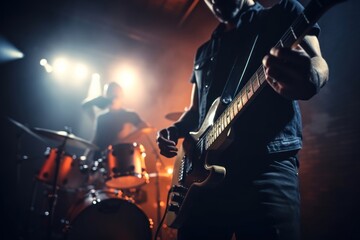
(106, 214)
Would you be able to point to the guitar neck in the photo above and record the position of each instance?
(291, 38)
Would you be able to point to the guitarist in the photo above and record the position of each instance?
(259, 197)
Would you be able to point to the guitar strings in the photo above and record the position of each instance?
(283, 41)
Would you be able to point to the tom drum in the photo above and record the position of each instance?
(70, 175)
(126, 166)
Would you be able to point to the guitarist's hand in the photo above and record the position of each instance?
(167, 140)
(290, 73)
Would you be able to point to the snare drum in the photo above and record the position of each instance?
(70, 175)
(126, 166)
(107, 214)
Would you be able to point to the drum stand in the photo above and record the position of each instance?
(52, 196)
(158, 163)
(19, 160)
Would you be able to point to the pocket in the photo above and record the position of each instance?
(202, 70)
(288, 165)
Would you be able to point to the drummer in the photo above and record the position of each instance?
(115, 124)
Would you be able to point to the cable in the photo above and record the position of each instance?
(163, 217)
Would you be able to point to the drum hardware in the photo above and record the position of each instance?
(65, 138)
(98, 173)
(159, 163)
(84, 167)
(98, 166)
(19, 158)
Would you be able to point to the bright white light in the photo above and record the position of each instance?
(81, 71)
(127, 77)
(48, 68)
(170, 170)
(8, 51)
(95, 88)
(61, 65)
(95, 77)
(43, 62)
(46, 65)
(13, 53)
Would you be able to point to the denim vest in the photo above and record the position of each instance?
(271, 123)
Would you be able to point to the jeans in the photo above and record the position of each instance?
(258, 200)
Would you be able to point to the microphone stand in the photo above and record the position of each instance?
(158, 163)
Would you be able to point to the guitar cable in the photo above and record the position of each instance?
(163, 217)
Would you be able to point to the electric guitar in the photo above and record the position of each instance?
(195, 170)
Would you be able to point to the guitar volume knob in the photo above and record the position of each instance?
(177, 198)
(173, 208)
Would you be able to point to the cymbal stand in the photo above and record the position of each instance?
(158, 163)
(52, 196)
(19, 160)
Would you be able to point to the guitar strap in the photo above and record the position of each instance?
(233, 83)
(235, 79)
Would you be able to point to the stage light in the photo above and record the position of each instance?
(8, 52)
(46, 65)
(127, 77)
(128, 74)
(43, 62)
(60, 66)
(95, 77)
(80, 71)
(169, 170)
(48, 68)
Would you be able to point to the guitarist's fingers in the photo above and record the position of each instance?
(167, 148)
(163, 138)
(168, 154)
(285, 64)
(172, 134)
(162, 134)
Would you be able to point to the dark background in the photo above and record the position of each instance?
(162, 37)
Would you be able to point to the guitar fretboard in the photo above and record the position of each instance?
(293, 35)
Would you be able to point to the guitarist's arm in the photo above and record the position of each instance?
(297, 73)
(167, 138)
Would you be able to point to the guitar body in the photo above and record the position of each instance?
(194, 172)
(199, 165)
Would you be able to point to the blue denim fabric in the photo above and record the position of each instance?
(259, 197)
(261, 204)
(212, 67)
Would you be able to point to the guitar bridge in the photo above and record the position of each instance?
(177, 197)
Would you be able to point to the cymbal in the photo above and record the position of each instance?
(173, 116)
(26, 129)
(138, 132)
(60, 136)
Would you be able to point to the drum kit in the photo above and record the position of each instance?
(75, 208)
